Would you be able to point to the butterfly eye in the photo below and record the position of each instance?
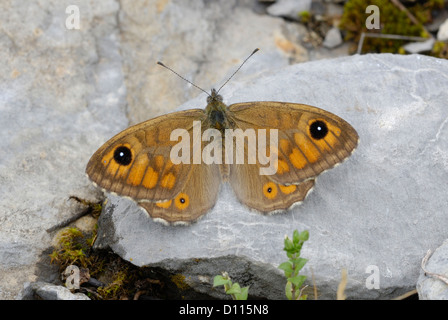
(318, 129)
(123, 155)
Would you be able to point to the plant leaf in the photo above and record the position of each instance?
(234, 289)
(297, 281)
(243, 294)
(304, 235)
(288, 244)
(288, 290)
(295, 237)
(299, 263)
(286, 267)
(220, 281)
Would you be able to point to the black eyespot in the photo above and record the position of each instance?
(123, 156)
(318, 130)
(182, 200)
(269, 190)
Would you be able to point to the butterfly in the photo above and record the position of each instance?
(142, 162)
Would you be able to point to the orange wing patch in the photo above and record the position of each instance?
(287, 189)
(309, 150)
(297, 159)
(168, 181)
(137, 172)
(164, 204)
(151, 178)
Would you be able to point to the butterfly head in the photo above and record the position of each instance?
(216, 112)
(214, 96)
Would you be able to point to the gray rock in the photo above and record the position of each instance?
(48, 291)
(64, 92)
(55, 83)
(419, 47)
(437, 19)
(442, 34)
(374, 215)
(289, 8)
(334, 9)
(333, 38)
(430, 287)
(190, 38)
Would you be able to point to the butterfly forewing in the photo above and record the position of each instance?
(136, 162)
(310, 140)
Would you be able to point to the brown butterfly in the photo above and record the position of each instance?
(138, 162)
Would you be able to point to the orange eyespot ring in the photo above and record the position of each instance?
(182, 201)
(270, 190)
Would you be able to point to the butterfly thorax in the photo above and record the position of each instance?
(217, 112)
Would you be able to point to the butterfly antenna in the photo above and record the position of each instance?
(160, 63)
(253, 52)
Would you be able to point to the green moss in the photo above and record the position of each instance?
(304, 17)
(71, 249)
(121, 279)
(179, 281)
(440, 50)
(392, 21)
(117, 287)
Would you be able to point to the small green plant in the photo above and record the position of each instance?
(291, 268)
(233, 289)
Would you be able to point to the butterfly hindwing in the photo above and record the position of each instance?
(261, 193)
(196, 198)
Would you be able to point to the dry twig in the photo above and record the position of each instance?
(441, 277)
(340, 295)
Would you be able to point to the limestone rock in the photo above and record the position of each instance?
(289, 8)
(56, 83)
(442, 34)
(333, 38)
(48, 291)
(66, 91)
(420, 47)
(379, 210)
(431, 287)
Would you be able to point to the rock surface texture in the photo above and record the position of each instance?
(64, 92)
(375, 215)
(433, 282)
